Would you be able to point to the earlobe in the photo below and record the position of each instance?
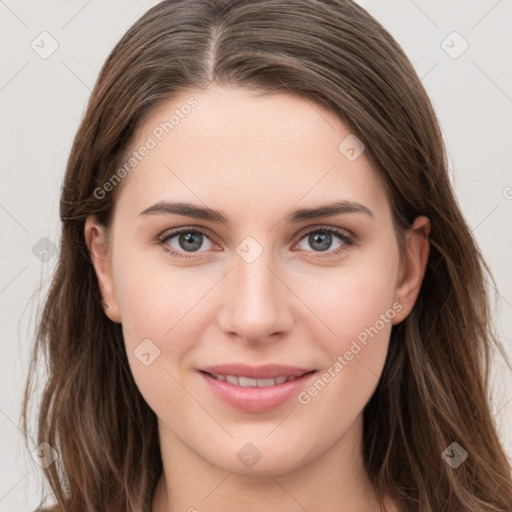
(96, 241)
(414, 265)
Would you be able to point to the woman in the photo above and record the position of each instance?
(267, 297)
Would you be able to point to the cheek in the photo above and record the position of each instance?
(359, 309)
(155, 299)
(163, 310)
(360, 302)
(350, 300)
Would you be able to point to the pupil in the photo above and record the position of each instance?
(190, 241)
(323, 238)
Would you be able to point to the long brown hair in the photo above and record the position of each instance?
(434, 387)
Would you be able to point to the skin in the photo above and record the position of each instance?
(256, 158)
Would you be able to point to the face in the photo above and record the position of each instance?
(251, 276)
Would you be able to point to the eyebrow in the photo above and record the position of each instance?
(302, 214)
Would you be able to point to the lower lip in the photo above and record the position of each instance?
(257, 399)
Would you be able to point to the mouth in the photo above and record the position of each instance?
(248, 382)
(255, 389)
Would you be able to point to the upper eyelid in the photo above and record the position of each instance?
(300, 235)
(176, 231)
(325, 227)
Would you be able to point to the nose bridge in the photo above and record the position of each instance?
(254, 306)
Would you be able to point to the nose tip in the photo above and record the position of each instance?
(254, 305)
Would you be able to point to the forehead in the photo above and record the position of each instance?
(240, 149)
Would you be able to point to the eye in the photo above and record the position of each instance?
(322, 238)
(179, 242)
(184, 240)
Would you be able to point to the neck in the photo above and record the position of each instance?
(336, 481)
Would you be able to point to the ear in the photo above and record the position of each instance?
(413, 267)
(96, 240)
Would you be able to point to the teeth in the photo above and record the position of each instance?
(266, 382)
(232, 380)
(246, 382)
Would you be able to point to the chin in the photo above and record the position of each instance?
(259, 458)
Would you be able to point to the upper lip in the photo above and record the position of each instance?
(267, 371)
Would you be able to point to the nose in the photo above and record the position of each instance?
(255, 303)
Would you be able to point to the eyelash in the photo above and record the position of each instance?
(347, 240)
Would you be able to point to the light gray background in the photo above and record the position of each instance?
(43, 100)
